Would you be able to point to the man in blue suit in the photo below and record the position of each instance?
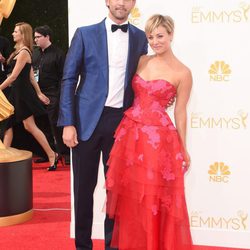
(95, 91)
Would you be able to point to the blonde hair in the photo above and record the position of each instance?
(159, 20)
(27, 32)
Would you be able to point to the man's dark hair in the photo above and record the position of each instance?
(44, 30)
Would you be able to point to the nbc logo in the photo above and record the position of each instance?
(135, 16)
(219, 71)
(219, 172)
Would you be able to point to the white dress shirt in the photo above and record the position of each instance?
(117, 58)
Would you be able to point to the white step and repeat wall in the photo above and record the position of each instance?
(213, 38)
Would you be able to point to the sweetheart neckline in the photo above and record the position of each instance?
(156, 80)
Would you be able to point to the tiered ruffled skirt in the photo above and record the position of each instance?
(145, 184)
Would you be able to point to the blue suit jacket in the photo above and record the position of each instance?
(84, 87)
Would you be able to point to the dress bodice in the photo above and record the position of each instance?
(151, 100)
(25, 72)
(23, 96)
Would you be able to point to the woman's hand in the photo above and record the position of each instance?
(43, 98)
(186, 162)
(2, 59)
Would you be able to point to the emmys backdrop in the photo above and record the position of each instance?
(213, 39)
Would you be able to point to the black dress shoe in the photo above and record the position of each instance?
(41, 160)
(54, 166)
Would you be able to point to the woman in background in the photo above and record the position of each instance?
(145, 179)
(25, 91)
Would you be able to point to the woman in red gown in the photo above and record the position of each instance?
(145, 180)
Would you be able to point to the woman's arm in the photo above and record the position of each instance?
(180, 112)
(34, 82)
(22, 58)
(36, 86)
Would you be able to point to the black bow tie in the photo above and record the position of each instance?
(115, 27)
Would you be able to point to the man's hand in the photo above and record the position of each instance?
(70, 136)
(171, 101)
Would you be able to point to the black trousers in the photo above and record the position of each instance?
(86, 156)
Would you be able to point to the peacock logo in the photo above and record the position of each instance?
(219, 71)
(135, 13)
(219, 172)
(135, 16)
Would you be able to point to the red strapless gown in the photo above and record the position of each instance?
(145, 180)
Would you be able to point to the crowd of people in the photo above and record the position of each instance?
(113, 101)
(44, 73)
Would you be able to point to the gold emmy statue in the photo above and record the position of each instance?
(16, 199)
(6, 109)
(6, 7)
(9, 154)
(15, 178)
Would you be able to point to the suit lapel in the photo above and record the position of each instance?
(131, 44)
(103, 49)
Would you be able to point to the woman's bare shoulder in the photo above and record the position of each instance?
(181, 67)
(23, 54)
(24, 50)
(183, 70)
(144, 58)
(143, 61)
(184, 74)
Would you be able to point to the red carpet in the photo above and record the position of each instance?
(49, 227)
